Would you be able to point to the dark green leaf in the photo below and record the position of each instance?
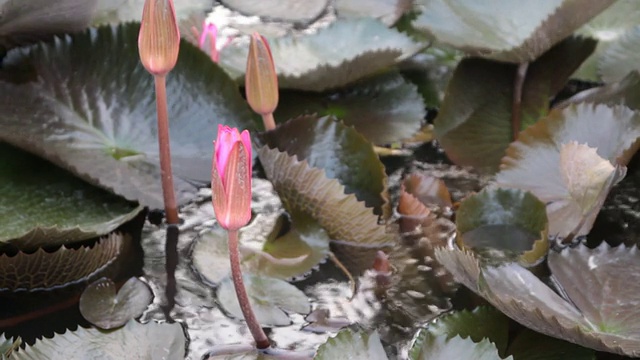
(530, 345)
(89, 106)
(43, 205)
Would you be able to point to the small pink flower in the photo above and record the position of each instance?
(231, 178)
(210, 30)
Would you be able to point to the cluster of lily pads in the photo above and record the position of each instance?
(80, 166)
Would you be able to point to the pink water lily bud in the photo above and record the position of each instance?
(210, 33)
(159, 37)
(261, 80)
(231, 178)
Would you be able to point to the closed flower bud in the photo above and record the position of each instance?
(159, 37)
(261, 81)
(231, 178)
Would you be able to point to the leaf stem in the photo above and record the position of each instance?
(516, 108)
(168, 193)
(262, 342)
(269, 122)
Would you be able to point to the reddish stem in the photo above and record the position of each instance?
(516, 108)
(170, 207)
(262, 342)
(269, 122)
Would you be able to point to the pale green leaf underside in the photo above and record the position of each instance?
(352, 345)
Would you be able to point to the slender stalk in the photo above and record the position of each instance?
(516, 108)
(262, 342)
(269, 122)
(170, 207)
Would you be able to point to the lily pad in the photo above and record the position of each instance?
(530, 345)
(122, 11)
(23, 22)
(287, 10)
(387, 11)
(510, 220)
(351, 225)
(346, 51)
(339, 150)
(599, 311)
(624, 92)
(45, 270)
(270, 298)
(518, 31)
(43, 205)
(474, 124)
(431, 347)
(384, 109)
(621, 58)
(352, 345)
(555, 160)
(90, 108)
(133, 341)
(105, 308)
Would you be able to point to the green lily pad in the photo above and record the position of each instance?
(569, 162)
(270, 298)
(352, 345)
(23, 22)
(43, 205)
(48, 270)
(122, 11)
(510, 220)
(339, 150)
(387, 11)
(431, 347)
(346, 51)
(351, 225)
(621, 58)
(600, 309)
(474, 123)
(530, 345)
(90, 108)
(133, 341)
(105, 308)
(287, 10)
(518, 31)
(384, 109)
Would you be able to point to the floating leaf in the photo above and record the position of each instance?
(270, 298)
(210, 255)
(287, 10)
(91, 109)
(513, 221)
(603, 309)
(352, 345)
(122, 11)
(133, 341)
(387, 11)
(43, 205)
(346, 51)
(554, 160)
(105, 308)
(519, 32)
(339, 150)
(474, 124)
(431, 347)
(530, 345)
(348, 221)
(46, 270)
(384, 109)
(621, 58)
(23, 22)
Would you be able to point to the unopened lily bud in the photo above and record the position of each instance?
(261, 81)
(159, 37)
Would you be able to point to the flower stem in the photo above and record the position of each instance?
(269, 122)
(262, 342)
(516, 107)
(168, 193)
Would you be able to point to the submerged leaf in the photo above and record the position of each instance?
(45, 270)
(42, 205)
(384, 108)
(328, 59)
(517, 31)
(90, 108)
(352, 345)
(270, 298)
(133, 341)
(106, 309)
